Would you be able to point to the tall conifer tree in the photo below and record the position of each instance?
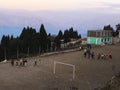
(43, 39)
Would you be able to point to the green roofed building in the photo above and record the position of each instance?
(99, 37)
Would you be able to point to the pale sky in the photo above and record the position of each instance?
(57, 4)
(80, 14)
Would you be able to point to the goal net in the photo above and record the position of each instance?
(70, 65)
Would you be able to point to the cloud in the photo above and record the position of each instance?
(55, 4)
(110, 6)
(82, 20)
(18, 18)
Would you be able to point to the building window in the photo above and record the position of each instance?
(105, 39)
(108, 39)
(102, 34)
(101, 40)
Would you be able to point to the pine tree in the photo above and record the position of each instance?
(43, 39)
(58, 39)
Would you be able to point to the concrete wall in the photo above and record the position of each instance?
(99, 33)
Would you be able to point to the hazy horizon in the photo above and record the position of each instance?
(57, 15)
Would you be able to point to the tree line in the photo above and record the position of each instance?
(30, 42)
(114, 32)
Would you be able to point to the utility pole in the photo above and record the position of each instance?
(17, 53)
(28, 52)
(5, 53)
(39, 50)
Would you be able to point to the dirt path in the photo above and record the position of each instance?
(89, 73)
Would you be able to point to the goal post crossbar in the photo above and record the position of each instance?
(73, 66)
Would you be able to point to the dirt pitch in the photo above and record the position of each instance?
(89, 73)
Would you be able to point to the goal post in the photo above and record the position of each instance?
(71, 65)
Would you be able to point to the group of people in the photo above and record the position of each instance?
(22, 62)
(104, 56)
(90, 54)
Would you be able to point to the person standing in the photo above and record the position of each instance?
(110, 56)
(17, 62)
(89, 53)
(99, 56)
(25, 62)
(35, 62)
(92, 55)
(21, 62)
(85, 52)
(102, 56)
(12, 62)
